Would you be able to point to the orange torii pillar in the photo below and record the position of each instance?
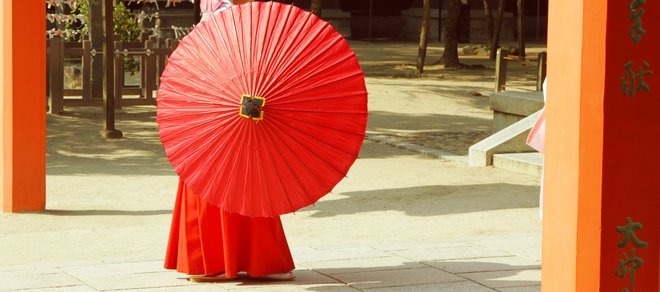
(23, 106)
(601, 225)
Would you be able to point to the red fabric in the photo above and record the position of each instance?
(205, 239)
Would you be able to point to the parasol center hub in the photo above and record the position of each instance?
(252, 107)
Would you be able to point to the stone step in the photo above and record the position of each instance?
(511, 139)
(530, 163)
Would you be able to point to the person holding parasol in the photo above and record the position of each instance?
(262, 109)
(211, 244)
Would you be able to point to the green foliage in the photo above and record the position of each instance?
(125, 25)
(83, 9)
(75, 26)
(124, 21)
(129, 31)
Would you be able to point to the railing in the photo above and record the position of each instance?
(501, 68)
(152, 51)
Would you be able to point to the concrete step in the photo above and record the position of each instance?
(530, 163)
(512, 139)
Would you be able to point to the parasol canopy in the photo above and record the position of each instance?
(262, 109)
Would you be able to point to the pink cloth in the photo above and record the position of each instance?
(536, 138)
(213, 5)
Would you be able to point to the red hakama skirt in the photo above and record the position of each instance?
(205, 240)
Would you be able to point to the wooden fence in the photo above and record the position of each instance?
(152, 52)
(500, 68)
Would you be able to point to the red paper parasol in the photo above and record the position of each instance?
(262, 109)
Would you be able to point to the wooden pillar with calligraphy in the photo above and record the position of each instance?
(601, 225)
(631, 160)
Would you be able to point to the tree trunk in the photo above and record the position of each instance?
(96, 37)
(197, 11)
(495, 41)
(488, 17)
(316, 7)
(423, 38)
(108, 130)
(450, 54)
(521, 29)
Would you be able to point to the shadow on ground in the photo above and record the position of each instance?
(423, 96)
(76, 148)
(435, 276)
(429, 276)
(392, 122)
(431, 200)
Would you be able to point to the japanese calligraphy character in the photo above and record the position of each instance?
(633, 82)
(628, 265)
(636, 30)
(628, 232)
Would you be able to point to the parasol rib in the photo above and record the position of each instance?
(311, 85)
(294, 46)
(194, 56)
(314, 174)
(359, 132)
(226, 46)
(277, 53)
(288, 167)
(341, 172)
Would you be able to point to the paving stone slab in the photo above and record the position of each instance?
(304, 278)
(525, 245)
(450, 253)
(505, 279)
(308, 254)
(363, 265)
(117, 268)
(521, 289)
(121, 281)
(200, 287)
(288, 288)
(531, 251)
(135, 259)
(66, 289)
(48, 266)
(464, 286)
(485, 264)
(31, 270)
(406, 245)
(516, 236)
(392, 278)
(22, 280)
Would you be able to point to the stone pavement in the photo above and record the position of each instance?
(469, 264)
(401, 221)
